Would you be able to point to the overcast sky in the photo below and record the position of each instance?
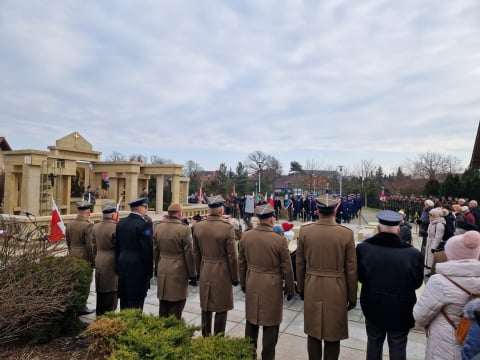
(337, 82)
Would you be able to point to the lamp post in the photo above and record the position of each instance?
(340, 170)
(260, 166)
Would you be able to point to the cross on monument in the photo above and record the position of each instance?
(76, 136)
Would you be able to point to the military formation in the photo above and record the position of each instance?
(213, 254)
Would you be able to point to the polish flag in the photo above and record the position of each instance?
(57, 227)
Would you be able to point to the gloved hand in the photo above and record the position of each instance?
(193, 281)
(235, 283)
(243, 289)
(351, 305)
(289, 297)
(433, 250)
(301, 295)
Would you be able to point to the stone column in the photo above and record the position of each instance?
(131, 187)
(31, 188)
(9, 200)
(176, 189)
(160, 179)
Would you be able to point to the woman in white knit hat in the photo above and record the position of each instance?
(442, 293)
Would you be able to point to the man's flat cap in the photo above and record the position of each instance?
(174, 207)
(389, 218)
(83, 205)
(215, 201)
(264, 211)
(139, 202)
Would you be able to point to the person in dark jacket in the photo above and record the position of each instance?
(405, 229)
(134, 255)
(390, 271)
(471, 347)
(423, 222)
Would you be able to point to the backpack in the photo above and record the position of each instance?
(461, 331)
(449, 227)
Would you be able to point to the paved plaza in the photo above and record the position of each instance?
(292, 342)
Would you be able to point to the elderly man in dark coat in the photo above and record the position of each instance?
(326, 279)
(106, 280)
(390, 271)
(217, 264)
(134, 256)
(172, 249)
(265, 264)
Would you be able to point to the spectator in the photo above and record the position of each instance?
(468, 215)
(405, 229)
(390, 272)
(436, 230)
(443, 300)
(471, 347)
(424, 221)
(475, 210)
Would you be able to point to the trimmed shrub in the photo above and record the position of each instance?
(133, 335)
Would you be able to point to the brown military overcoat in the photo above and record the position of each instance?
(264, 264)
(79, 236)
(172, 252)
(216, 262)
(106, 279)
(327, 275)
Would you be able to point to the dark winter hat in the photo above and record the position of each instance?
(139, 202)
(215, 201)
(83, 205)
(389, 218)
(264, 211)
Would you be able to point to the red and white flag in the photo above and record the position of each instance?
(57, 227)
(382, 195)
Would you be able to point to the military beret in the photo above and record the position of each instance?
(215, 201)
(174, 207)
(83, 205)
(109, 208)
(326, 202)
(264, 211)
(389, 218)
(139, 202)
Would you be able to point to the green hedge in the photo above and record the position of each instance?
(132, 335)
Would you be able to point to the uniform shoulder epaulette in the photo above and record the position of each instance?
(305, 225)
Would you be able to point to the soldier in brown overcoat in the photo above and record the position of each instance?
(265, 268)
(173, 258)
(79, 234)
(326, 279)
(106, 279)
(217, 265)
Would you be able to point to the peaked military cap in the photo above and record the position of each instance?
(326, 202)
(264, 211)
(215, 201)
(109, 208)
(139, 202)
(389, 218)
(174, 207)
(83, 205)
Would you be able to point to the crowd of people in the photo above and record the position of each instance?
(325, 273)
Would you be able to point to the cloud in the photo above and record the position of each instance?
(298, 79)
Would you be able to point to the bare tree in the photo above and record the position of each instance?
(116, 157)
(264, 165)
(366, 169)
(430, 165)
(157, 160)
(192, 168)
(138, 157)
